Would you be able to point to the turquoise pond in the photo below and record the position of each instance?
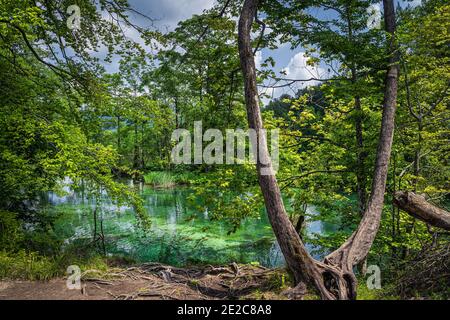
(179, 235)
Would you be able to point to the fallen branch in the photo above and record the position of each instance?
(418, 207)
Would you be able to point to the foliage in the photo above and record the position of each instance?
(27, 266)
(167, 179)
(227, 194)
(10, 233)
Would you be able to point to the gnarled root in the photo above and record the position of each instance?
(335, 283)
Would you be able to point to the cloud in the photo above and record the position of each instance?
(415, 3)
(296, 69)
(167, 14)
(258, 59)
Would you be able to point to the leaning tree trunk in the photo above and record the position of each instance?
(334, 278)
(418, 207)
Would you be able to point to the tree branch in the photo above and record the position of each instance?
(418, 207)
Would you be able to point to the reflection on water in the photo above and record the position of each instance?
(179, 235)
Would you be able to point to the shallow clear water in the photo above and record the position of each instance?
(179, 234)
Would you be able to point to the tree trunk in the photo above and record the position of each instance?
(136, 148)
(360, 154)
(360, 163)
(119, 144)
(418, 207)
(360, 166)
(177, 124)
(333, 279)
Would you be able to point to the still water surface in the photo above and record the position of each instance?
(179, 234)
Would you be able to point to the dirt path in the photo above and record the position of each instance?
(154, 281)
(56, 290)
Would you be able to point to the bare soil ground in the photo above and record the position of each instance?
(155, 281)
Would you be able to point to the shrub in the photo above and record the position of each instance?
(26, 266)
(11, 234)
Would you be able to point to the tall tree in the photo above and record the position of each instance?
(333, 278)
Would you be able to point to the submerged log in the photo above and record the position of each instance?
(418, 207)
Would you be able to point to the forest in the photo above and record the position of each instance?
(225, 149)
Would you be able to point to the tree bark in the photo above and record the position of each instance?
(418, 207)
(333, 279)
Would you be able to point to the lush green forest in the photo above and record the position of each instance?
(363, 143)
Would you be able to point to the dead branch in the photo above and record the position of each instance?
(418, 207)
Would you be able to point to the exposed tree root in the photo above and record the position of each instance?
(171, 283)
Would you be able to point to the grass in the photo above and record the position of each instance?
(364, 293)
(27, 266)
(167, 179)
(32, 266)
(160, 179)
